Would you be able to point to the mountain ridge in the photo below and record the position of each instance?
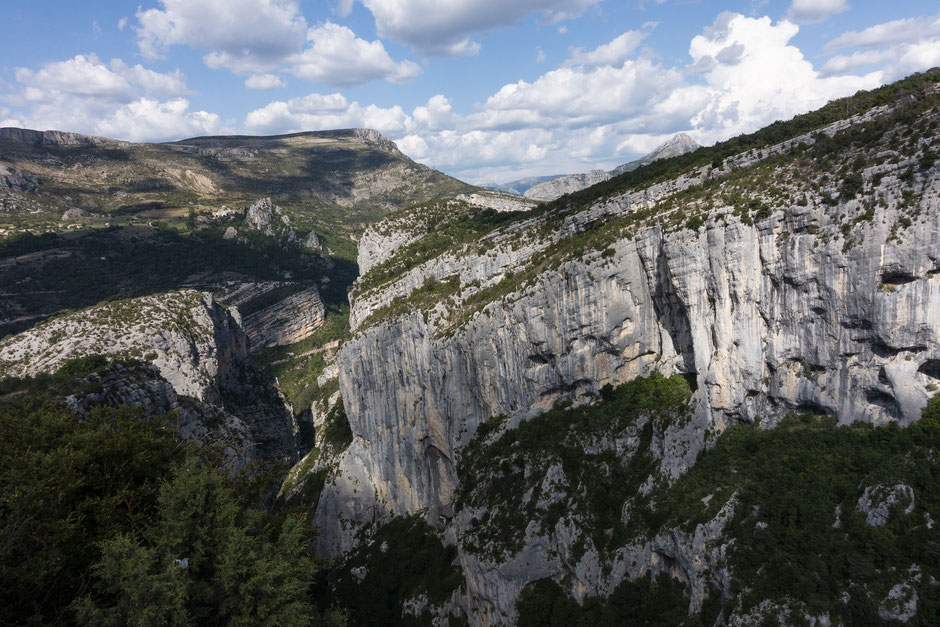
(551, 189)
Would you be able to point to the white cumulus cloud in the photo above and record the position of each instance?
(151, 120)
(899, 47)
(337, 57)
(889, 33)
(612, 53)
(742, 94)
(259, 37)
(241, 35)
(317, 112)
(154, 84)
(600, 108)
(84, 95)
(579, 95)
(82, 76)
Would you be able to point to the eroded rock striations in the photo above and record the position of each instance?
(288, 321)
(775, 286)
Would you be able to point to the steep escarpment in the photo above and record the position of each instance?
(286, 322)
(791, 271)
(198, 348)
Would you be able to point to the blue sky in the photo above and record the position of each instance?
(486, 90)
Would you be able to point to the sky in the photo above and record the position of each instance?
(484, 90)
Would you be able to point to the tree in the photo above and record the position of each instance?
(209, 558)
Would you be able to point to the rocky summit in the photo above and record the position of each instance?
(701, 388)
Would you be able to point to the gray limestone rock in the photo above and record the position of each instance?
(497, 202)
(879, 502)
(900, 604)
(141, 385)
(767, 316)
(552, 189)
(287, 321)
(198, 347)
(312, 242)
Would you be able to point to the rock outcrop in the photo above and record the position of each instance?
(519, 186)
(553, 188)
(198, 347)
(141, 385)
(496, 202)
(49, 138)
(13, 178)
(879, 503)
(288, 321)
(677, 145)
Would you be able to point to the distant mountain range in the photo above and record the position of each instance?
(551, 187)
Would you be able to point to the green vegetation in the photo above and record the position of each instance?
(208, 557)
(809, 539)
(403, 560)
(642, 602)
(136, 219)
(322, 179)
(303, 484)
(108, 518)
(420, 299)
(69, 379)
(796, 531)
(596, 484)
(75, 271)
(337, 433)
(442, 225)
(297, 366)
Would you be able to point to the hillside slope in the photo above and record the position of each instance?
(335, 180)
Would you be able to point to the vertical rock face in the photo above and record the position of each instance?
(198, 347)
(287, 321)
(766, 326)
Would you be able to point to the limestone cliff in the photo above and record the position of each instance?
(198, 347)
(287, 321)
(802, 274)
